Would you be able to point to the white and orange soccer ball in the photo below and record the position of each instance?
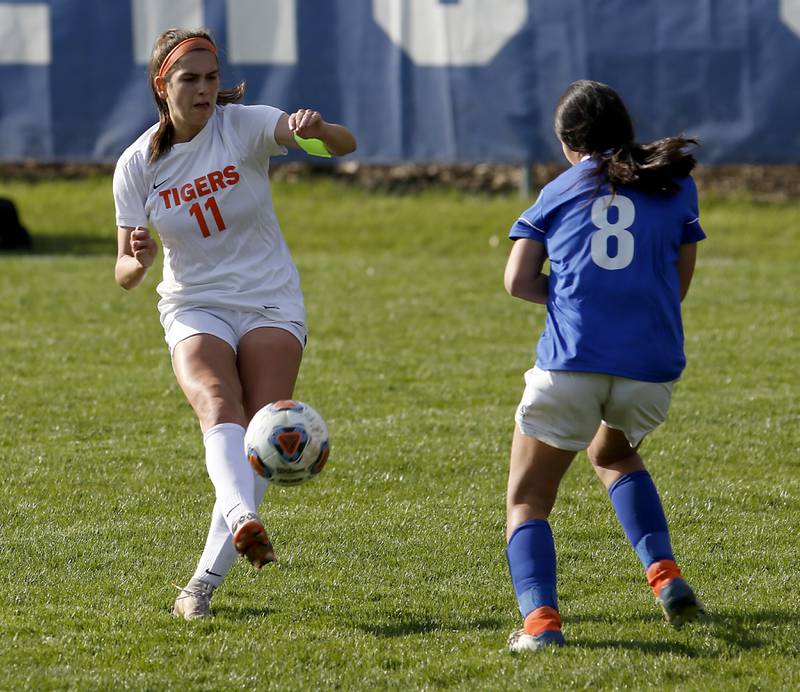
(287, 442)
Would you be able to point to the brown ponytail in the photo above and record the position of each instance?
(650, 167)
(592, 119)
(164, 136)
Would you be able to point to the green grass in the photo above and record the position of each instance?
(392, 572)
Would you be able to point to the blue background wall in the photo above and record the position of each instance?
(416, 80)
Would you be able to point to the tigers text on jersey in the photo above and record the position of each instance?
(613, 304)
(210, 202)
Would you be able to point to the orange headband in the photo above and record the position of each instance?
(189, 44)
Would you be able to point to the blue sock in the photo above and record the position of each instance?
(531, 555)
(638, 507)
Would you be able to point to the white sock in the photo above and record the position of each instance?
(259, 488)
(219, 554)
(229, 471)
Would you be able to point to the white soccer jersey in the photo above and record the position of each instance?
(210, 202)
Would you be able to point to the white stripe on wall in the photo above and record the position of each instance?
(262, 32)
(24, 34)
(151, 17)
(790, 14)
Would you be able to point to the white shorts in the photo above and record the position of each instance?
(565, 409)
(228, 325)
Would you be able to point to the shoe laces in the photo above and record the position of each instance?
(201, 592)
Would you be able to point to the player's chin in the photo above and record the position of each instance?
(202, 112)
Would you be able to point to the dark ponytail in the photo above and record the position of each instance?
(592, 119)
(164, 136)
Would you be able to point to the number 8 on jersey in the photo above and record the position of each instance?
(626, 213)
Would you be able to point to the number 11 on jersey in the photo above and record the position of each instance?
(210, 205)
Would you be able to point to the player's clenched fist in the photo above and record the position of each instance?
(143, 246)
(306, 123)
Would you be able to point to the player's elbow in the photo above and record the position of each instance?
(351, 145)
(514, 285)
(123, 281)
(124, 277)
(346, 147)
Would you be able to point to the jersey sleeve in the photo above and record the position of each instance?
(692, 231)
(255, 126)
(130, 194)
(532, 224)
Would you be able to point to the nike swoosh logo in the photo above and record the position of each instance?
(155, 187)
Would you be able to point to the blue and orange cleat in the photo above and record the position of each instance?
(679, 603)
(676, 598)
(520, 640)
(542, 629)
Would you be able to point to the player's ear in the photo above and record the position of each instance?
(161, 86)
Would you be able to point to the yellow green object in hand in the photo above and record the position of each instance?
(313, 146)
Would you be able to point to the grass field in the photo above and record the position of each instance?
(392, 571)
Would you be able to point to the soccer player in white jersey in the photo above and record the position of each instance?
(231, 304)
(620, 228)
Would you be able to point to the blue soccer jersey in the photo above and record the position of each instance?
(613, 305)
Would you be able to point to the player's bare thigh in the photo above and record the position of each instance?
(268, 363)
(535, 472)
(205, 367)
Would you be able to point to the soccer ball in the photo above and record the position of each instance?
(287, 442)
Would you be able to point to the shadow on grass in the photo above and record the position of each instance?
(241, 612)
(651, 648)
(409, 625)
(735, 629)
(73, 244)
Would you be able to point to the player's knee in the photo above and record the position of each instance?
(520, 491)
(212, 408)
(596, 458)
(610, 465)
(529, 502)
(600, 457)
(610, 450)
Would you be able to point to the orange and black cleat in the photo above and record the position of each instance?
(250, 539)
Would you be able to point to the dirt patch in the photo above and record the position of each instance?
(33, 171)
(764, 183)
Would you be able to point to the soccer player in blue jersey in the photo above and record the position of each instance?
(620, 228)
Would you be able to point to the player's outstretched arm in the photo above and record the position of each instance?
(308, 124)
(136, 252)
(523, 277)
